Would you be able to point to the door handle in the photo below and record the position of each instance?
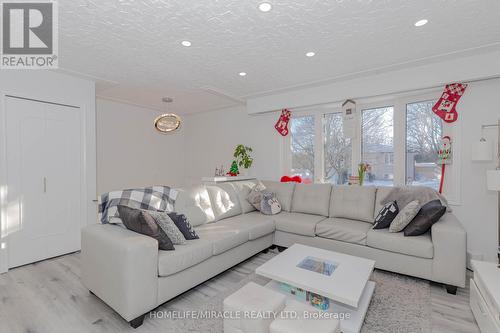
(44, 184)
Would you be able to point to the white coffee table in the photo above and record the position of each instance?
(348, 287)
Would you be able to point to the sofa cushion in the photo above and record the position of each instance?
(353, 202)
(297, 223)
(223, 236)
(345, 230)
(382, 192)
(194, 202)
(141, 222)
(243, 189)
(184, 256)
(417, 246)
(257, 224)
(182, 223)
(224, 200)
(405, 216)
(311, 199)
(386, 215)
(284, 192)
(429, 214)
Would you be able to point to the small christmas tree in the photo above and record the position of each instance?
(233, 171)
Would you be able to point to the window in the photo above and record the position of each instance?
(377, 147)
(398, 136)
(423, 135)
(337, 150)
(302, 146)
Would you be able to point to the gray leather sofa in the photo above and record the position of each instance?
(126, 270)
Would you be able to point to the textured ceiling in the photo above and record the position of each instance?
(133, 47)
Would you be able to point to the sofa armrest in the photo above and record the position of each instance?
(450, 247)
(121, 267)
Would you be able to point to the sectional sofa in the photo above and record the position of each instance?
(126, 270)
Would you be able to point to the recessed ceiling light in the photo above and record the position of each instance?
(421, 23)
(186, 43)
(310, 54)
(242, 73)
(265, 7)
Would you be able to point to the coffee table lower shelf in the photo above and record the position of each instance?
(351, 324)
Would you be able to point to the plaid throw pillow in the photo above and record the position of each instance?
(155, 198)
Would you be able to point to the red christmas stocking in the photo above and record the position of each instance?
(282, 124)
(445, 108)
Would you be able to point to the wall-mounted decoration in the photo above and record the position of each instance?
(167, 122)
(349, 119)
(445, 156)
(445, 107)
(282, 123)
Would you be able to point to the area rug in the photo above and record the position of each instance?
(399, 304)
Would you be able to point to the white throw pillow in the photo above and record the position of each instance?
(405, 216)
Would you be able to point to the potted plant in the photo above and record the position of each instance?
(242, 157)
(362, 169)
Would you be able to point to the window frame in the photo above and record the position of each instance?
(399, 103)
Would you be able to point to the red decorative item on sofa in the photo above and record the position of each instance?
(288, 179)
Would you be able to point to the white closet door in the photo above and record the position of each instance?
(43, 180)
(63, 177)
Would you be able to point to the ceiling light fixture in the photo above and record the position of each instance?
(242, 74)
(167, 122)
(421, 23)
(265, 7)
(310, 54)
(186, 43)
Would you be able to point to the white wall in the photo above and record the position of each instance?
(211, 137)
(426, 75)
(131, 153)
(55, 88)
(478, 211)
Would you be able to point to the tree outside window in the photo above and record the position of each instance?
(337, 150)
(302, 146)
(423, 136)
(377, 145)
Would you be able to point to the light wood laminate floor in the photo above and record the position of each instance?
(48, 297)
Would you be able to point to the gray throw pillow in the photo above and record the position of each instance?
(166, 223)
(269, 204)
(143, 223)
(405, 216)
(255, 195)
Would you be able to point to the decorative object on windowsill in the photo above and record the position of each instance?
(233, 171)
(288, 179)
(243, 158)
(220, 172)
(167, 122)
(445, 107)
(363, 168)
(445, 156)
(353, 180)
(349, 119)
(282, 123)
